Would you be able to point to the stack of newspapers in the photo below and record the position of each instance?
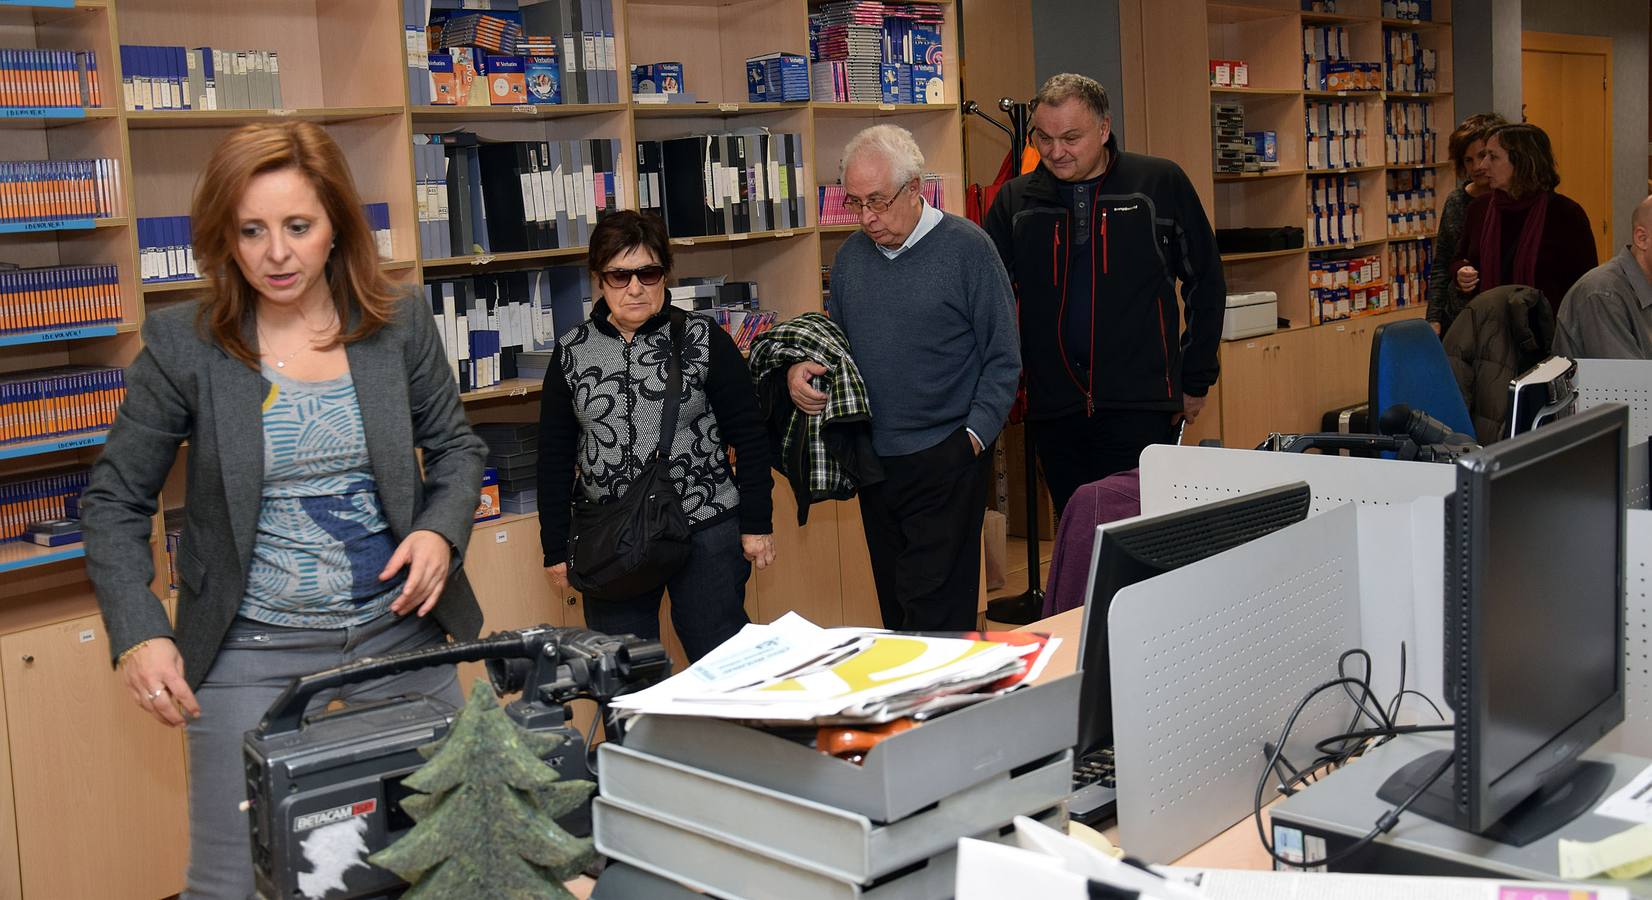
(814, 763)
(792, 671)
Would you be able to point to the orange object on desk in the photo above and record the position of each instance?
(851, 743)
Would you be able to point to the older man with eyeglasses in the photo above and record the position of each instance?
(927, 309)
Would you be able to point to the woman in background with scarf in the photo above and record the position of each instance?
(1523, 231)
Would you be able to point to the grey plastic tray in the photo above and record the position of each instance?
(901, 774)
(728, 869)
(816, 836)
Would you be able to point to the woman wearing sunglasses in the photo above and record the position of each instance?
(600, 419)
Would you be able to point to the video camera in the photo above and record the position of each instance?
(305, 773)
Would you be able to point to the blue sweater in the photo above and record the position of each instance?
(932, 332)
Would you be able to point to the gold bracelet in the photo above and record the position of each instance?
(121, 659)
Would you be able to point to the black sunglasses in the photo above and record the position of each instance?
(621, 278)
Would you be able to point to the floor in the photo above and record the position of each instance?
(1015, 574)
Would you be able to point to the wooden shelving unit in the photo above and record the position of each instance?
(1285, 380)
(93, 770)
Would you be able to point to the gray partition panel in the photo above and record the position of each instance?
(1627, 381)
(1208, 661)
(1635, 734)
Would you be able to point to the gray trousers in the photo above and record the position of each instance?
(255, 663)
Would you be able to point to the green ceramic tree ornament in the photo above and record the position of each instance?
(486, 810)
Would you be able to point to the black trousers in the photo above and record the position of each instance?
(1078, 449)
(923, 532)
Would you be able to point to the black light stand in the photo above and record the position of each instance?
(1028, 607)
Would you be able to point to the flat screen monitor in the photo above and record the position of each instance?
(1137, 550)
(1533, 629)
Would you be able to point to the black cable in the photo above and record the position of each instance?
(1394, 704)
(1385, 823)
(1378, 733)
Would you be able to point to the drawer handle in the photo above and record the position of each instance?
(28, 658)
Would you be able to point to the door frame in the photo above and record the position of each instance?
(1590, 45)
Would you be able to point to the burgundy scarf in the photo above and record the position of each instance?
(1531, 235)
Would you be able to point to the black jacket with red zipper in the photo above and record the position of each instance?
(1148, 231)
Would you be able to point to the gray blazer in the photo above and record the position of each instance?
(184, 386)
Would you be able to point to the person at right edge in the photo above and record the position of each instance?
(1095, 240)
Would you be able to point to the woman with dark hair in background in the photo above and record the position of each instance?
(599, 422)
(303, 381)
(1466, 146)
(1523, 231)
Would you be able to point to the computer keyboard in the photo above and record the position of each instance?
(1095, 768)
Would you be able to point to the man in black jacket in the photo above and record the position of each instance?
(1095, 240)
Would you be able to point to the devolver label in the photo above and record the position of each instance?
(42, 112)
(46, 225)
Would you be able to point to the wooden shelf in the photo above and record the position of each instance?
(510, 387)
(44, 14)
(1343, 95)
(1432, 165)
(53, 444)
(66, 333)
(1355, 170)
(737, 238)
(837, 229)
(1320, 18)
(1414, 26)
(196, 284)
(1236, 177)
(1356, 245)
(1234, 13)
(15, 555)
(1403, 238)
(1265, 254)
(504, 519)
(516, 113)
(489, 259)
(1257, 92)
(713, 110)
(1415, 95)
(229, 118)
(52, 117)
(879, 109)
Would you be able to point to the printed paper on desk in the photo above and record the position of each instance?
(1047, 864)
(1632, 802)
(792, 671)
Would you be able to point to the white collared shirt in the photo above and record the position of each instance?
(927, 220)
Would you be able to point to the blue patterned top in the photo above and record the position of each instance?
(322, 538)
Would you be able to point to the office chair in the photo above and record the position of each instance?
(1408, 365)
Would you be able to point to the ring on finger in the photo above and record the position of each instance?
(156, 693)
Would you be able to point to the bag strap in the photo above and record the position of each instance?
(673, 382)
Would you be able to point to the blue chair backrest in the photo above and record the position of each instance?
(1408, 365)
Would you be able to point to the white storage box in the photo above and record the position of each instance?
(1250, 314)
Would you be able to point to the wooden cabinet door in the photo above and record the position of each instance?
(99, 785)
(805, 576)
(1268, 384)
(10, 876)
(506, 569)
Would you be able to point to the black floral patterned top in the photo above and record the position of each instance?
(600, 419)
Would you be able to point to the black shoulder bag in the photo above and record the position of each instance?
(622, 548)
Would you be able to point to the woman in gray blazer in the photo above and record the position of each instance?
(303, 382)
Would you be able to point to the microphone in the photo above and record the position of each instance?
(1419, 426)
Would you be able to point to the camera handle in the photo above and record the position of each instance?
(287, 714)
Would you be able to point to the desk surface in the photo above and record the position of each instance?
(1236, 848)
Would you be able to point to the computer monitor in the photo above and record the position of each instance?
(1137, 550)
(1541, 394)
(1533, 630)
